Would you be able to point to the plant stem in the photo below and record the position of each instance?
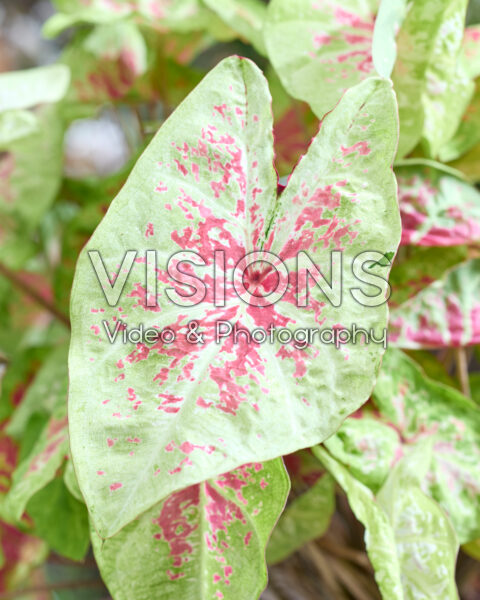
(67, 585)
(462, 370)
(30, 291)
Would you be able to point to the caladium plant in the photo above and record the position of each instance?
(206, 185)
(218, 396)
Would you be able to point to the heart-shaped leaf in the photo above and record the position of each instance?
(159, 417)
(205, 541)
(445, 313)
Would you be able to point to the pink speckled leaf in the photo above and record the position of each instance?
(38, 468)
(175, 15)
(432, 85)
(410, 541)
(419, 409)
(411, 411)
(158, 417)
(45, 399)
(320, 49)
(106, 63)
(437, 208)
(206, 541)
(467, 136)
(471, 50)
(416, 267)
(445, 313)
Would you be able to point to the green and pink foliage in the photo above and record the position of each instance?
(206, 540)
(443, 314)
(438, 208)
(409, 411)
(206, 183)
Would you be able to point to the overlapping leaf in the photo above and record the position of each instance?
(30, 151)
(207, 540)
(306, 518)
(176, 15)
(54, 511)
(416, 267)
(471, 50)
(47, 398)
(414, 411)
(409, 540)
(245, 16)
(468, 133)
(105, 63)
(162, 417)
(437, 208)
(320, 49)
(432, 86)
(445, 313)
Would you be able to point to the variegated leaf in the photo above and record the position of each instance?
(175, 15)
(205, 541)
(445, 313)
(30, 146)
(416, 267)
(437, 208)
(38, 468)
(471, 50)
(106, 63)
(432, 86)
(29, 88)
(21, 554)
(468, 133)
(165, 416)
(417, 409)
(320, 49)
(306, 518)
(46, 397)
(409, 540)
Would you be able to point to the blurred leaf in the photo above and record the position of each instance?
(437, 208)
(31, 87)
(432, 87)
(468, 133)
(46, 394)
(39, 467)
(60, 520)
(245, 16)
(306, 518)
(445, 313)
(320, 46)
(409, 540)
